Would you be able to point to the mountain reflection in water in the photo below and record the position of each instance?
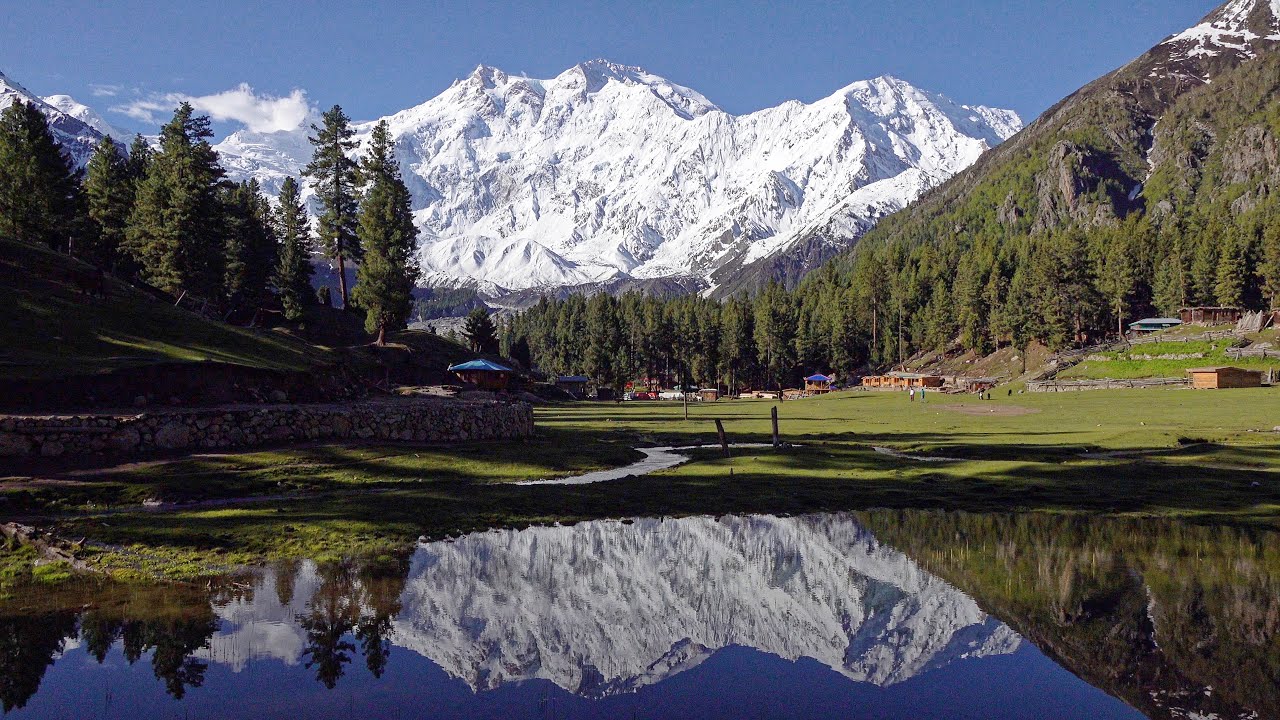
(797, 617)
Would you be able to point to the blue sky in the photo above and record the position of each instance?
(376, 57)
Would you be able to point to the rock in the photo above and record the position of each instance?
(278, 396)
(140, 401)
(124, 440)
(52, 448)
(172, 436)
(14, 445)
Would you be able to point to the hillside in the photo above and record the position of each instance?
(1151, 188)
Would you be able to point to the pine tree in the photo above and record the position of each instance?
(109, 194)
(39, 185)
(1269, 268)
(480, 333)
(775, 332)
(388, 270)
(175, 231)
(336, 178)
(250, 246)
(293, 271)
(1116, 278)
(1232, 269)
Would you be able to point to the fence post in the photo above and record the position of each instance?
(773, 412)
(724, 441)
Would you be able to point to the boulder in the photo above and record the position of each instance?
(14, 445)
(173, 435)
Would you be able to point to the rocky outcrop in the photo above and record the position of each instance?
(241, 426)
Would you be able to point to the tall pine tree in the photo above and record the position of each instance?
(336, 178)
(388, 270)
(175, 232)
(293, 271)
(39, 185)
(109, 192)
(250, 246)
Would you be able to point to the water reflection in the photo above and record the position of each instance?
(607, 618)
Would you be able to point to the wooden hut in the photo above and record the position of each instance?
(709, 394)
(1217, 378)
(483, 374)
(575, 385)
(1210, 315)
(906, 380)
(818, 384)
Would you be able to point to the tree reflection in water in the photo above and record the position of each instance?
(1178, 620)
(1175, 619)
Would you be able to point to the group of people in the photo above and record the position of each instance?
(912, 393)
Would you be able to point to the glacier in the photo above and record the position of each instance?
(609, 172)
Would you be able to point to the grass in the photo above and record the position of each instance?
(1209, 457)
(52, 330)
(1160, 359)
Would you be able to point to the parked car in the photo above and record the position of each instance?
(643, 395)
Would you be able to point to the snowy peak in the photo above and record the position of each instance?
(77, 137)
(1238, 29)
(610, 173)
(90, 117)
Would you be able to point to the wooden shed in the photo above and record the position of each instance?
(1217, 378)
(1210, 315)
(709, 394)
(484, 374)
(575, 385)
(1150, 325)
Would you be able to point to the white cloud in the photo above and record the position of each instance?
(258, 113)
(101, 90)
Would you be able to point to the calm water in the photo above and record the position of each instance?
(874, 615)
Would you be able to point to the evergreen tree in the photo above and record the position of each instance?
(1232, 270)
(108, 190)
(39, 185)
(388, 270)
(175, 231)
(250, 246)
(480, 333)
(293, 271)
(1269, 269)
(1116, 278)
(604, 337)
(775, 333)
(336, 179)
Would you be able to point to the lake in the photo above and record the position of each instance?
(893, 614)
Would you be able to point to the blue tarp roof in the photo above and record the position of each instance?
(480, 365)
(818, 378)
(573, 379)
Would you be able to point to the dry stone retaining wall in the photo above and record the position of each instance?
(418, 420)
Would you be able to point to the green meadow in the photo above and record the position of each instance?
(1202, 456)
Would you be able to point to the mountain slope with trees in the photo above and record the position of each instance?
(1149, 189)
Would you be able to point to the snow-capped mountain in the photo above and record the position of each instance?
(1240, 28)
(90, 117)
(607, 607)
(609, 172)
(76, 135)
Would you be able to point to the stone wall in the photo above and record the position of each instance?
(243, 426)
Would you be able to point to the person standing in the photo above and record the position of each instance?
(922, 394)
(912, 393)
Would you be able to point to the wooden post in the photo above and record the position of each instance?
(773, 412)
(724, 442)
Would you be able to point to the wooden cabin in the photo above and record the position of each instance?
(1210, 315)
(575, 385)
(709, 394)
(1221, 378)
(483, 374)
(818, 384)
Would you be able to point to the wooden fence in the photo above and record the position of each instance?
(1079, 385)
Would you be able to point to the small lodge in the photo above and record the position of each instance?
(709, 394)
(903, 381)
(1150, 325)
(1221, 378)
(1211, 315)
(575, 385)
(483, 374)
(818, 384)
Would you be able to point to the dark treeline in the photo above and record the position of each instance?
(167, 216)
(764, 341)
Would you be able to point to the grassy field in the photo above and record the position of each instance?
(1209, 457)
(51, 329)
(1163, 359)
